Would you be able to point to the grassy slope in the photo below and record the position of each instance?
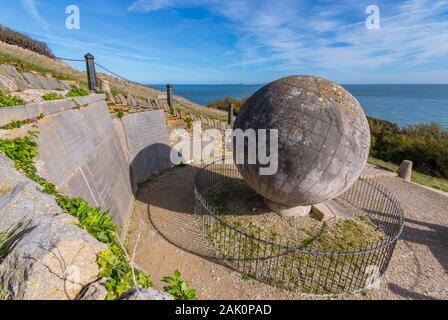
(417, 177)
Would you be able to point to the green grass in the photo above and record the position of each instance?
(7, 100)
(52, 96)
(417, 177)
(26, 66)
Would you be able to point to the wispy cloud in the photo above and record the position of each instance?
(297, 36)
(31, 9)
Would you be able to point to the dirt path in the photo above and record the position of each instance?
(168, 238)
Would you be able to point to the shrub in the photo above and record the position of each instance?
(52, 96)
(223, 104)
(426, 145)
(12, 37)
(78, 92)
(7, 100)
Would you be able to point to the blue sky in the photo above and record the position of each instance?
(254, 41)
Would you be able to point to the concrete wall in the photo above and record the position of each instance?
(87, 154)
(80, 152)
(148, 144)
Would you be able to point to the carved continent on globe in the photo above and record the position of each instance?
(324, 140)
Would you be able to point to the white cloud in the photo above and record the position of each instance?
(31, 8)
(292, 37)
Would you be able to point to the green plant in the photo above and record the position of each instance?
(179, 288)
(188, 122)
(7, 100)
(78, 92)
(120, 112)
(121, 275)
(19, 123)
(114, 263)
(426, 145)
(223, 104)
(7, 238)
(52, 96)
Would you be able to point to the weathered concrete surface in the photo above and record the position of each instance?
(11, 80)
(371, 171)
(8, 114)
(330, 210)
(324, 139)
(51, 258)
(80, 152)
(148, 144)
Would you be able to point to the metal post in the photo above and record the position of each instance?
(169, 95)
(91, 73)
(230, 114)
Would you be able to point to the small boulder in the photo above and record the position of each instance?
(146, 294)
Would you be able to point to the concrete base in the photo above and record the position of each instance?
(330, 210)
(286, 211)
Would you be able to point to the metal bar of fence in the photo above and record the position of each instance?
(308, 269)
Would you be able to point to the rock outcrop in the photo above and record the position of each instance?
(51, 258)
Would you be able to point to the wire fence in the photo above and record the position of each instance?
(103, 68)
(308, 268)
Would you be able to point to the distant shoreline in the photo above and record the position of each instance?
(403, 104)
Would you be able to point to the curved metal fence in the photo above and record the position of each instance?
(306, 269)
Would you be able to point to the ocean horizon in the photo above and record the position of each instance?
(403, 104)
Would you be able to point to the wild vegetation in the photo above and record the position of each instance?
(426, 145)
(178, 288)
(223, 104)
(114, 262)
(78, 92)
(52, 96)
(7, 100)
(10, 36)
(19, 123)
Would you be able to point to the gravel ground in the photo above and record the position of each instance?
(167, 240)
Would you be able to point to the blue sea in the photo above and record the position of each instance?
(401, 104)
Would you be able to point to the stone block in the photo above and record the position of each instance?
(330, 210)
(32, 80)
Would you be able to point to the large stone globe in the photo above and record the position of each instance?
(324, 140)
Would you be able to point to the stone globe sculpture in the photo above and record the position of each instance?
(324, 142)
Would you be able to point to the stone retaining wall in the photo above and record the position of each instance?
(148, 144)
